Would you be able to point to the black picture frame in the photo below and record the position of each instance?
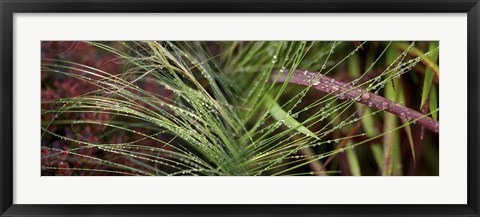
(9, 7)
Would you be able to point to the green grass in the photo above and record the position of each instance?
(227, 116)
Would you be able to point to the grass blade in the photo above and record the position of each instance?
(279, 114)
(353, 161)
(427, 82)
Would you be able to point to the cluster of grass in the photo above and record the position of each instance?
(230, 108)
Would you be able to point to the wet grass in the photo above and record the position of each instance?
(243, 108)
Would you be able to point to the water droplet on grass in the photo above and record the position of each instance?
(384, 105)
(366, 96)
(355, 81)
(335, 88)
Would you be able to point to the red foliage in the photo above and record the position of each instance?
(56, 153)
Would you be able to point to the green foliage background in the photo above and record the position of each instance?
(215, 108)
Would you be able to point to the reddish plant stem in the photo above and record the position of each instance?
(347, 91)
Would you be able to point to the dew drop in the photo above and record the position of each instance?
(341, 96)
(355, 81)
(334, 88)
(274, 59)
(384, 105)
(366, 96)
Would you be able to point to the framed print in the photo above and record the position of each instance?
(200, 108)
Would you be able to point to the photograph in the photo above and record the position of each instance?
(240, 108)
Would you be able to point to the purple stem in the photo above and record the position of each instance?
(347, 91)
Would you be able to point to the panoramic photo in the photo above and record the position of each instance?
(240, 108)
